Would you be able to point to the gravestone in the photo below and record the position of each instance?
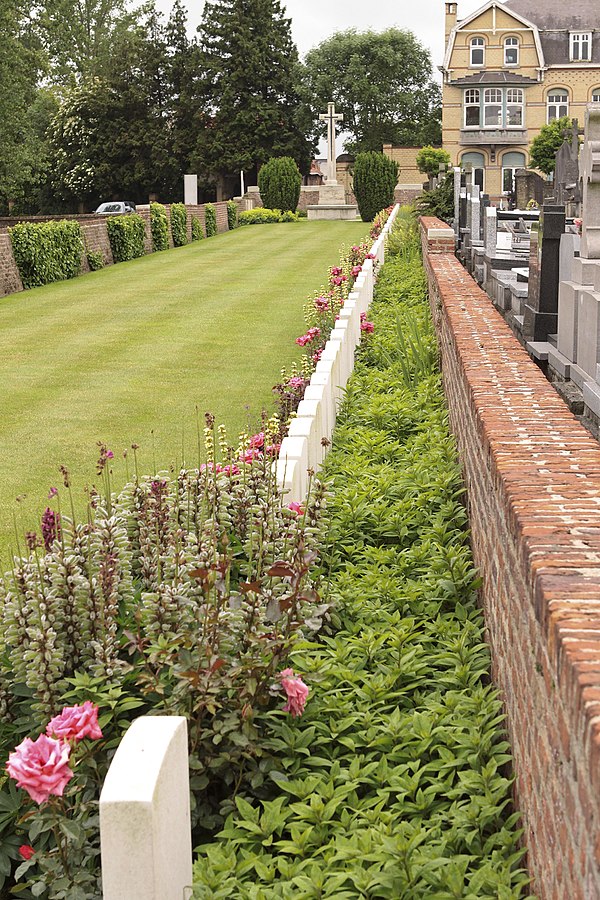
(566, 173)
(332, 196)
(541, 309)
(590, 176)
(457, 184)
(475, 215)
(190, 190)
(490, 236)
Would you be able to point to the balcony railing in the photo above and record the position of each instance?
(493, 136)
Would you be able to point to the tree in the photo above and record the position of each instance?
(429, 160)
(279, 182)
(543, 148)
(251, 69)
(21, 63)
(381, 83)
(375, 178)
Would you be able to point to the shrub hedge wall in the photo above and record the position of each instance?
(126, 235)
(47, 251)
(179, 224)
(159, 226)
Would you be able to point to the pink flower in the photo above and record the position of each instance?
(52, 493)
(110, 454)
(26, 851)
(356, 270)
(231, 470)
(322, 304)
(76, 723)
(296, 507)
(296, 382)
(296, 691)
(317, 356)
(303, 340)
(335, 270)
(41, 767)
(250, 454)
(272, 449)
(257, 440)
(211, 467)
(367, 326)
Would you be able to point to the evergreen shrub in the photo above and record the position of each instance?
(232, 214)
(279, 182)
(197, 230)
(179, 224)
(210, 220)
(95, 260)
(47, 251)
(126, 235)
(375, 179)
(159, 226)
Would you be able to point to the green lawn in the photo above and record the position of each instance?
(127, 354)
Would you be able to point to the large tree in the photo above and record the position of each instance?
(547, 143)
(251, 71)
(381, 82)
(20, 66)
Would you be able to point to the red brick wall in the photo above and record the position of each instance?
(10, 280)
(533, 479)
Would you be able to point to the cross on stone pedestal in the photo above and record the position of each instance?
(331, 117)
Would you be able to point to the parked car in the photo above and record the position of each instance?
(115, 208)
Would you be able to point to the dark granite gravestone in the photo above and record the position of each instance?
(541, 309)
(566, 173)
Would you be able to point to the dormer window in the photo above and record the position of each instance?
(477, 51)
(511, 51)
(581, 46)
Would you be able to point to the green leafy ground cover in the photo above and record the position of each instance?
(395, 781)
(126, 354)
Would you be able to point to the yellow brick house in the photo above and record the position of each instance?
(510, 68)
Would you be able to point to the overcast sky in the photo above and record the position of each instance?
(315, 20)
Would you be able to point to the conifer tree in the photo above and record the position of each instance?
(251, 71)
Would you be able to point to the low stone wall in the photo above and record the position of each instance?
(533, 480)
(10, 280)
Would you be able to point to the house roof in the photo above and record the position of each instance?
(555, 19)
(486, 77)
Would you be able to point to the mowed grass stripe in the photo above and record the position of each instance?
(127, 353)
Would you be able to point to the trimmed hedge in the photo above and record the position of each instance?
(232, 214)
(375, 178)
(262, 216)
(126, 235)
(47, 251)
(197, 230)
(210, 220)
(159, 226)
(95, 260)
(279, 183)
(179, 224)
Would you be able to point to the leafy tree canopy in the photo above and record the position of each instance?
(381, 82)
(429, 160)
(543, 148)
(251, 70)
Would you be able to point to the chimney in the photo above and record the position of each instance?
(451, 17)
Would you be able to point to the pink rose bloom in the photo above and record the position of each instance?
(76, 723)
(231, 470)
(272, 449)
(41, 767)
(206, 467)
(296, 507)
(296, 381)
(367, 326)
(296, 691)
(322, 304)
(250, 454)
(26, 851)
(356, 270)
(257, 440)
(303, 340)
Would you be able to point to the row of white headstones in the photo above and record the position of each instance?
(145, 821)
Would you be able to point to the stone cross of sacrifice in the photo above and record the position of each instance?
(331, 117)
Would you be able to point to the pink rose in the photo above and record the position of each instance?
(257, 440)
(296, 692)
(41, 767)
(296, 507)
(75, 723)
(26, 851)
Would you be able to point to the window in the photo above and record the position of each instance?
(472, 108)
(511, 51)
(492, 107)
(581, 46)
(477, 45)
(510, 163)
(477, 161)
(514, 108)
(558, 105)
(596, 95)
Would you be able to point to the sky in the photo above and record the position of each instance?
(315, 20)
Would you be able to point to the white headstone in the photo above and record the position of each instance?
(331, 117)
(590, 156)
(145, 827)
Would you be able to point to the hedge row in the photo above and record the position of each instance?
(394, 782)
(47, 251)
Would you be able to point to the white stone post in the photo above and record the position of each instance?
(490, 230)
(190, 190)
(145, 828)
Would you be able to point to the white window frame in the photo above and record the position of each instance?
(557, 104)
(477, 44)
(496, 100)
(580, 46)
(511, 43)
(512, 170)
(515, 97)
(596, 95)
(472, 98)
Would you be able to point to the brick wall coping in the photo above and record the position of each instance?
(542, 472)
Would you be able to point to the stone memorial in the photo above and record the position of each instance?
(332, 196)
(190, 190)
(541, 309)
(457, 184)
